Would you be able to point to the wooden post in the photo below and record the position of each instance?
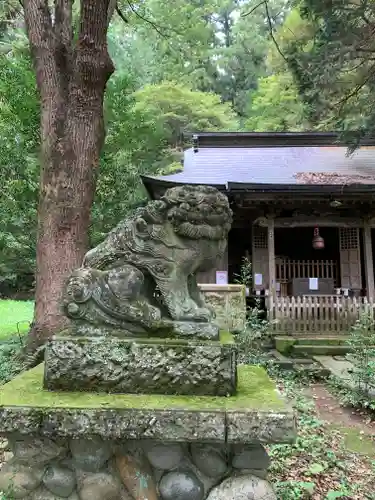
(271, 258)
(369, 264)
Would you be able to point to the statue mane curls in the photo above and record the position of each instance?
(195, 212)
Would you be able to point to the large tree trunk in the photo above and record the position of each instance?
(71, 80)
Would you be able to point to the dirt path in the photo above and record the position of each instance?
(330, 410)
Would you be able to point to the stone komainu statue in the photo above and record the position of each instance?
(142, 277)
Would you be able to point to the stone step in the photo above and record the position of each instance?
(286, 343)
(307, 365)
(322, 350)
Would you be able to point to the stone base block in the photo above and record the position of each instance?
(147, 366)
(89, 446)
(255, 413)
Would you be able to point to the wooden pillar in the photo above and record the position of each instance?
(369, 264)
(271, 257)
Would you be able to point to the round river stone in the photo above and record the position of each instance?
(44, 494)
(243, 488)
(59, 480)
(250, 456)
(35, 450)
(209, 459)
(22, 478)
(100, 486)
(165, 457)
(181, 485)
(90, 454)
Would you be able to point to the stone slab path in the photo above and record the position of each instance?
(340, 368)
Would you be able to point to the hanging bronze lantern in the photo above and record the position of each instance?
(318, 241)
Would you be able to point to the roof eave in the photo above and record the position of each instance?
(302, 188)
(271, 139)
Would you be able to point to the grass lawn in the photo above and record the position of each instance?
(13, 312)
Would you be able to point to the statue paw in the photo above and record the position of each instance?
(212, 311)
(202, 314)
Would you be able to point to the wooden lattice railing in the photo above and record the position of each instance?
(287, 269)
(317, 314)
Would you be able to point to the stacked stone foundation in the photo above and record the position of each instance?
(98, 446)
(97, 469)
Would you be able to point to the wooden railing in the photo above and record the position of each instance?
(287, 269)
(316, 314)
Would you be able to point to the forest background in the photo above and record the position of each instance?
(182, 66)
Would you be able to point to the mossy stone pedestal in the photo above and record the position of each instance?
(148, 366)
(93, 446)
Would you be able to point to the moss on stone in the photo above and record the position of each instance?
(226, 337)
(285, 344)
(255, 392)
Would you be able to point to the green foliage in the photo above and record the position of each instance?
(297, 469)
(15, 317)
(276, 106)
(245, 276)
(205, 45)
(359, 390)
(257, 329)
(362, 344)
(4, 495)
(10, 360)
(143, 137)
(19, 171)
(171, 109)
(334, 71)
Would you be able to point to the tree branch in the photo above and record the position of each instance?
(254, 8)
(92, 42)
(63, 21)
(270, 27)
(63, 29)
(155, 26)
(121, 15)
(111, 9)
(93, 23)
(39, 31)
(272, 35)
(356, 89)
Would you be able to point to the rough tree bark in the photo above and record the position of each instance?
(71, 74)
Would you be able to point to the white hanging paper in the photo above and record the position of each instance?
(313, 284)
(258, 279)
(221, 277)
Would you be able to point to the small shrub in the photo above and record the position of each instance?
(257, 329)
(362, 355)
(10, 360)
(245, 276)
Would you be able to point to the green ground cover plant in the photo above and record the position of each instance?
(15, 317)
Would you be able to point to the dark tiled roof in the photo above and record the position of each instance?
(276, 165)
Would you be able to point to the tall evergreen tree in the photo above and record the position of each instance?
(335, 72)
